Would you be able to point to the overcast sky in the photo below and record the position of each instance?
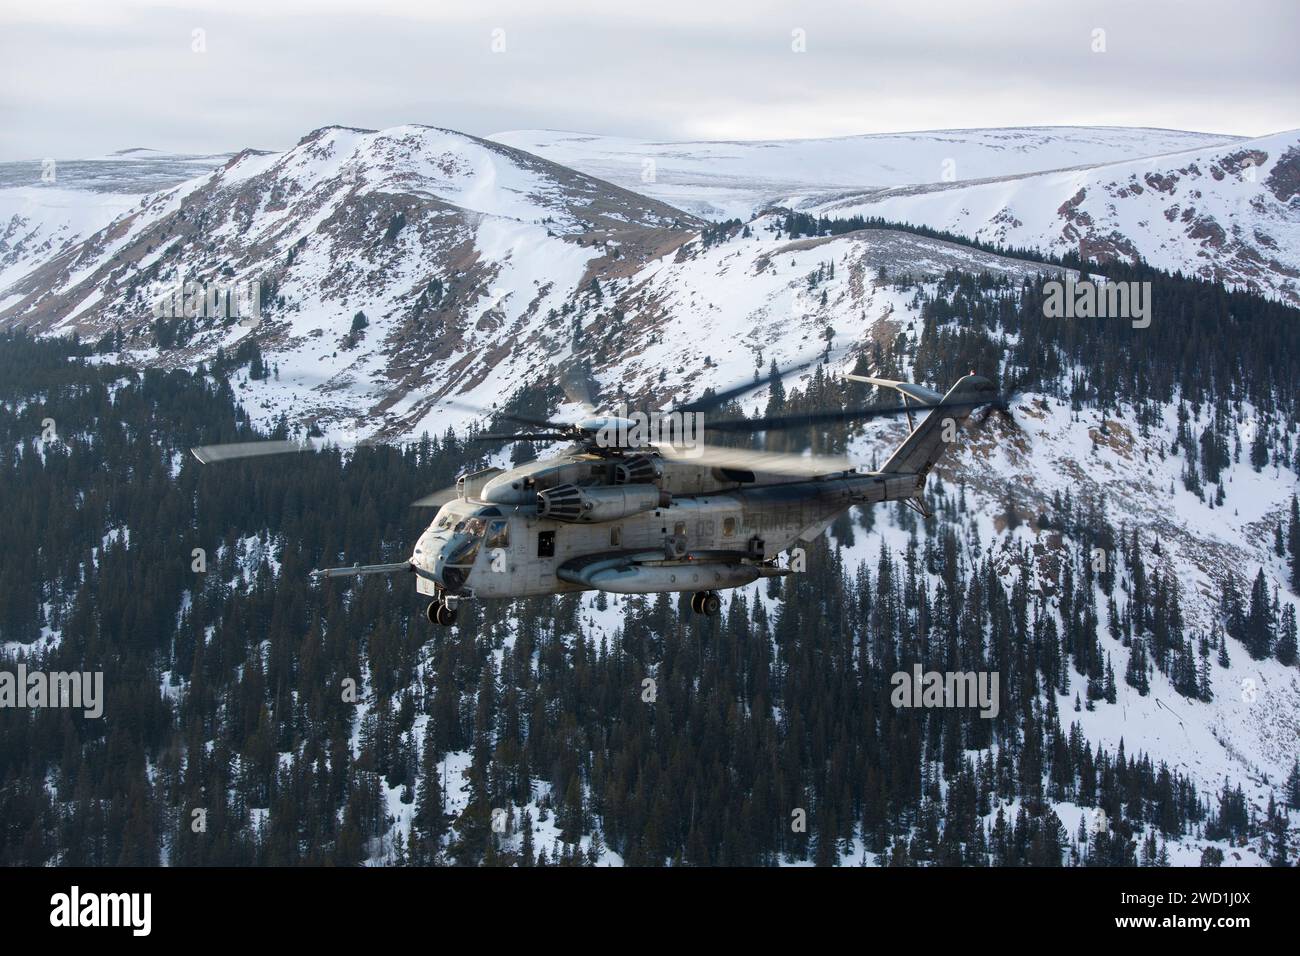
(83, 79)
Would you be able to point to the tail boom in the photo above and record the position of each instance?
(928, 441)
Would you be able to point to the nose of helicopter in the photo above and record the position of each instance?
(429, 554)
(435, 557)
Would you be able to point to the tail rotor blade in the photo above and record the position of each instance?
(576, 383)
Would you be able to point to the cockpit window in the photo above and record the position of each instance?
(464, 549)
(472, 526)
(473, 530)
(458, 515)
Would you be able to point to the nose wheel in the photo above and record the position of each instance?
(706, 602)
(438, 613)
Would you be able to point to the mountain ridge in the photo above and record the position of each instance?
(722, 179)
(1236, 220)
(479, 270)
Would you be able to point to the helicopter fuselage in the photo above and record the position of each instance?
(627, 523)
(656, 517)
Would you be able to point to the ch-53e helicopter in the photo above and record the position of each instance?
(615, 511)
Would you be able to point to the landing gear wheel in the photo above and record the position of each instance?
(706, 602)
(438, 613)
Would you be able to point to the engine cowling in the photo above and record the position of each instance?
(570, 503)
(638, 470)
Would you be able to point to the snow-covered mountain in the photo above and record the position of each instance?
(47, 206)
(1230, 213)
(452, 247)
(127, 172)
(1220, 207)
(736, 179)
(480, 267)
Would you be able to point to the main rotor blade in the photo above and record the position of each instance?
(207, 454)
(725, 395)
(806, 419)
(745, 459)
(525, 436)
(437, 499)
(508, 416)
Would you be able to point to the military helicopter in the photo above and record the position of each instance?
(624, 510)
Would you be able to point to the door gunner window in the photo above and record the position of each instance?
(546, 544)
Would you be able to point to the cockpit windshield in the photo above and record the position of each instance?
(470, 530)
(463, 550)
(456, 516)
(474, 526)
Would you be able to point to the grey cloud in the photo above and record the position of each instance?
(669, 71)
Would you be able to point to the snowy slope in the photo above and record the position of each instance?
(48, 206)
(357, 220)
(449, 244)
(751, 301)
(714, 315)
(1249, 734)
(1228, 213)
(1238, 735)
(722, 179)
(128, 172)
(744, 302)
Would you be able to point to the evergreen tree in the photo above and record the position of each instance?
(1285, 650)
(1259, 621)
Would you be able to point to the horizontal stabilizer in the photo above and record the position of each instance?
(919, 392)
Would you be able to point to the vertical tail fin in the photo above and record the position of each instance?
(930, 439)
